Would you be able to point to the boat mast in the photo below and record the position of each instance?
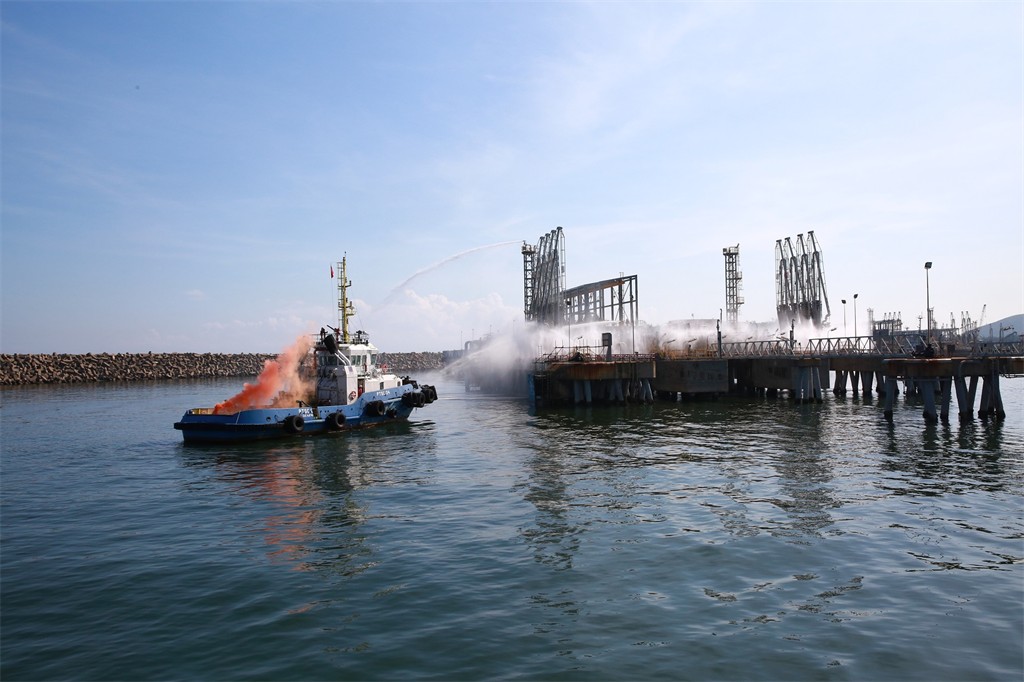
(345, 309)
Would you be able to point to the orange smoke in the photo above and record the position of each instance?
(279, 384)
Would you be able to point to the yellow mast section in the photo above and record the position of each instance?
(345, 309)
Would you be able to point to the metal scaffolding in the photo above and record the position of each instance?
(733, 280)
(544, 279)
(612, 300)
(800, 294)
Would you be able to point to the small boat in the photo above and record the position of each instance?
(351, 391)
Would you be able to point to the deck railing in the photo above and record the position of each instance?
(833, 347)
(836, 347)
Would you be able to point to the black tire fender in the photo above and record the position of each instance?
(294, 423)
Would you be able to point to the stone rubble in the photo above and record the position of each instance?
(63, 368)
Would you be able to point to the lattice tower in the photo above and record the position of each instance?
(733, 281)
(544, 279)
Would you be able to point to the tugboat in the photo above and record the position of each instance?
(351, 391)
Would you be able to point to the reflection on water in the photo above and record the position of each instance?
(950, 460)
(311, 512)
(552, 536)
(748, 538)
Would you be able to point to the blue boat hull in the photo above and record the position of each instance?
(374, 408)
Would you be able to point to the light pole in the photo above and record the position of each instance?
(855, 314)
(928, 296)
(844, 318)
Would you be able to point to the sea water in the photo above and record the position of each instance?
(744, 538)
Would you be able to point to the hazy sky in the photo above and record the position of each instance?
(180, 176)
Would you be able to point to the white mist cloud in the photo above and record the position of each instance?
(434, 322)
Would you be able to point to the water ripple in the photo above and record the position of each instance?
(736, 539)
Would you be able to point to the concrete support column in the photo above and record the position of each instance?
(997, 397)
(991, 398)
(840, 387)
(929, 387)
(646, 394)
(964, 399)
(891, 389)
(946, 384)
(616, 390)
(986, 390)
(808, 385)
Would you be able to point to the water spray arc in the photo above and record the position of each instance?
(430, 268)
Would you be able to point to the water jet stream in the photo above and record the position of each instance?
(430, 268)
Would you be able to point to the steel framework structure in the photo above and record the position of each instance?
(891, 324)
(612, 300)
(800, 282)
(544, 279)
(733, 280)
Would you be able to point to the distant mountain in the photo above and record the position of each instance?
(1012, 326)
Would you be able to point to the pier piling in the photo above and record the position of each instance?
(768, 367)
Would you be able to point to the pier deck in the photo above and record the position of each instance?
(783, 366)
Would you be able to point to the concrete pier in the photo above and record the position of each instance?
(691, 378)
(935, 377)
(861, 364)
(582, 378)
(861, 371)
(800, 377)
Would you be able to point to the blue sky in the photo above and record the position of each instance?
(179, 176)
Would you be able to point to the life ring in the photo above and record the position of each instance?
(335, 421)
(351, 396)
(294, 423)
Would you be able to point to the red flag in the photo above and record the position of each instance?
(332, 272)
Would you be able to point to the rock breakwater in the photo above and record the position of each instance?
(404, 363)
(63, 368)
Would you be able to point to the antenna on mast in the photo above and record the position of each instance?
(345, 309)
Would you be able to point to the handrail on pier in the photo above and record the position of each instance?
(832, 347)
(850, 346)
